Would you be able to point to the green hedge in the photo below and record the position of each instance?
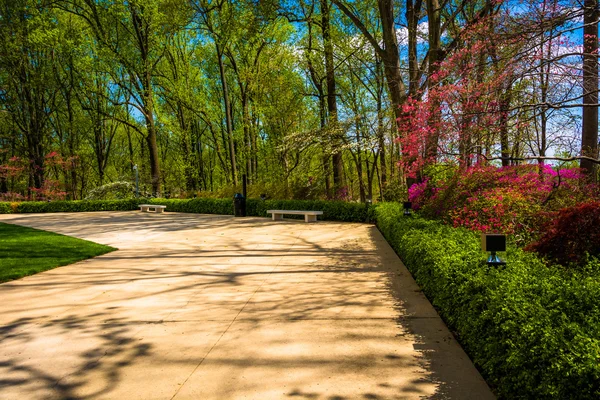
(332, 210)
(5, 208)
(199, 206)
(69, 206)
(532, 330)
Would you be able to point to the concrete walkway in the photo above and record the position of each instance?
(212, 307)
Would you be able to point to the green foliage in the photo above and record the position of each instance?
(81, 57)
(332, 210)
(71, 206)
(113, 191)
(198, 206)
(394, 190)
(27, 251)
(512, 200)
(5, 208)
(532, 330)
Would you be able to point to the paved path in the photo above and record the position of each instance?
(212, 307)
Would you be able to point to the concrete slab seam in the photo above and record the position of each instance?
(234, 319)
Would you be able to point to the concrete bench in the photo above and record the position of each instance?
(309, 216)
(156, 208)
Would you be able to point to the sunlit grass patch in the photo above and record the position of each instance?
(27, 251)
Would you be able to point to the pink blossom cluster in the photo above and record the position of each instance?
(17, 169)
(511, 200)
(11, 196)
(50, 191)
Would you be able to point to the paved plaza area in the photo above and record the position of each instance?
(215, 307)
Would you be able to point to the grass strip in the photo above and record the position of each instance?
(27, 251)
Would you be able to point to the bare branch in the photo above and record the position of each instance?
(540, 158)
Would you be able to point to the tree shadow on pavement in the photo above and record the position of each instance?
(40, 369)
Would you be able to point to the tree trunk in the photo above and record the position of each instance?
(247, 134)
(505, 100)
(151, 134)
(434, 25)
(413, 10)
(338, 166)
(589, 129)
(391, 56)
(380, 126)
(322, 109)
(228, 116)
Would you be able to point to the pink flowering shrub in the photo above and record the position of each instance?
(11, 196)
(50, 191)
(18, 172)
(513, 200)
(13, 168)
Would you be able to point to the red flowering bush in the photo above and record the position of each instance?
(17, 170)
(11, 196)
(50, 191)
(13, 168)
(513, 200)
(571, 234)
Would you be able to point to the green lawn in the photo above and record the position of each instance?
(26, 251)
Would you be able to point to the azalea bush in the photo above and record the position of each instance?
(51, 190)
(515, 200)
(16, 170)
(12, 196)
(571, 235)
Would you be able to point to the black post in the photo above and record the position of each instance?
(244, 183)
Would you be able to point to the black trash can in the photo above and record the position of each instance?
(239, 205)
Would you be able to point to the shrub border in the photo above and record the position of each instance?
(332, 210)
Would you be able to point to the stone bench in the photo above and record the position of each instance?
(309, 216)
(156, 208)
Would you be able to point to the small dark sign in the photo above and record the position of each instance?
(493, 242)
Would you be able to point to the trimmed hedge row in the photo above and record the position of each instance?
(68, 206)
(532, 330)
(5, 208)
(332, 210)
(198, 206)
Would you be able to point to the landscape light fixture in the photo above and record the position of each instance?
(407, 208)
(493, 243)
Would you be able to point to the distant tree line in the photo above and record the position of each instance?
(329, 99)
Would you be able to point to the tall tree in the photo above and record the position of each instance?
(217, 18)
(134, 34)
(434, 32)
(589, 129)
(389, 52)
(29, 90)
(338, 166)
